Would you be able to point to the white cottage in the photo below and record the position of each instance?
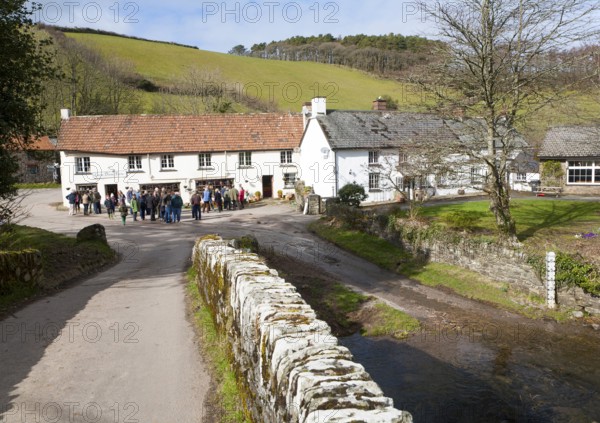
(379, 149)
(184, 153)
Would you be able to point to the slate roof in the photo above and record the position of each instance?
(382, 129)
(147, 134)
(571, 142)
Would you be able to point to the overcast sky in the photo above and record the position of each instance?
(220, 25)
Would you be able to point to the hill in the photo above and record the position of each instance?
(288, 84)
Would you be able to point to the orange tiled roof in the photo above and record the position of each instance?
(42, 144)
(145, 134)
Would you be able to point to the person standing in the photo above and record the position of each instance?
(124, 210)
(176, 206)
(71, 197)
(242, 197)
(110, 207)
(226, 199)
(85, 200)
(167, 202)
(219, 200)
(206, 198)
(195, 202)
(143, 205)
(154, 205)
(97, 200)
(134, 205)
(233, 193)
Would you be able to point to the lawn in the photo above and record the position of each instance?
(543, 224)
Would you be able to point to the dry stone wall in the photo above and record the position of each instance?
(20, 268)
(290, 365)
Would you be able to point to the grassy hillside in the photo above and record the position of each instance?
(344, 88)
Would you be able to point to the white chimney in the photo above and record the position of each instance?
(65, 114)
(319, 106)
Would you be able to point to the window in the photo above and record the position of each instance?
(402, 158)
(289, 180)
(204, 160)
(286, 156)
(584, 172)
(245, 158)
(521, 177)
(82, 164)
(475, 176)
(33, 169)
(373, 157)
(167, 162)
(374, 181)
(135, 163)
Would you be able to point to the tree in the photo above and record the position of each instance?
(494, 66)
(25, 63)
(238, 50)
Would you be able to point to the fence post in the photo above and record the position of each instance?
(551, 279)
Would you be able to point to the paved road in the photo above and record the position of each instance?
(126, 349)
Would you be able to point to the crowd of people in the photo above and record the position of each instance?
(161, 204)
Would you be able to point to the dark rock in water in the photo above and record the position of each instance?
(92, 233)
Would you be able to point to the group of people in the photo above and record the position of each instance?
(223, 198)
(161, 204)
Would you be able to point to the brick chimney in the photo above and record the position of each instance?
(380, 104)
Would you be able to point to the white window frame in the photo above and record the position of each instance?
(83, 164)
(374, 182)
(167, 162)
(245, 159)
(286, 156)
(373, 158)
(136, 161)
(521, 177)
(289, 180)
(204, 160)
(583, 165)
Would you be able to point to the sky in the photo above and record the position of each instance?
(220, 25)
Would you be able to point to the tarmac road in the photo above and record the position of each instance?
(126, 350)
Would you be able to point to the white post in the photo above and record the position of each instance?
(551, 279)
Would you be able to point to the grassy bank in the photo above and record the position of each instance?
(345, 310)
(225, 398)
(59, 252)
(464, 282)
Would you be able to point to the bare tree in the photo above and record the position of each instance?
(495, 66)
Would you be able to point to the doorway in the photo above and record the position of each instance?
(267, 186)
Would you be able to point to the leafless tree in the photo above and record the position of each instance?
(495, 66)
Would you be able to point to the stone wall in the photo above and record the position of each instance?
(499, 263)
(290, 365)
(19, 268)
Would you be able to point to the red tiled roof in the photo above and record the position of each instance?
(145, 134)
(42, 144)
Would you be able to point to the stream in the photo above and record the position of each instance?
(492, 373)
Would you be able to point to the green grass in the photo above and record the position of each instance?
(57, 251)
(462, 281)
(215, 347)
(533, 217)
(40, 185)
(345, 88)
(389, 321)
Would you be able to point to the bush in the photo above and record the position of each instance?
(352, 194)
(574, 271)
(461, 219)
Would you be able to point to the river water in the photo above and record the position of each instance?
(528, 372)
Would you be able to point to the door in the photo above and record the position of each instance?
(267, 186)
(111, 189)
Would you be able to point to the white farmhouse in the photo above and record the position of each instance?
(382, 151)
(184, 153)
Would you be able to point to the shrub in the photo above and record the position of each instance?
(352, 194)
(573, 271)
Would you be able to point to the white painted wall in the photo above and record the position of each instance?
(317, 161)
(110, 170)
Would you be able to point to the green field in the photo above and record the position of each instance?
(289, 83)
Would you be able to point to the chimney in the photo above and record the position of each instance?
(65, 114)
(380, 104)
(319, 106)
(306, 112)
